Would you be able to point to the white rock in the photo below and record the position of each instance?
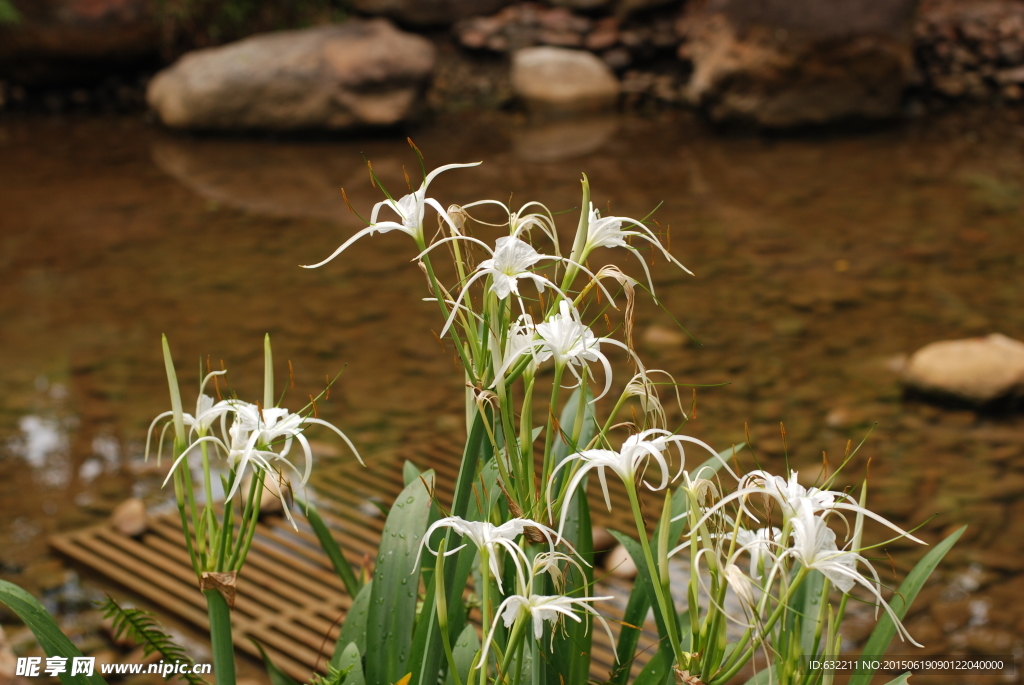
(563, 80)
(977, 370)
(129, 517)
(360, 73)
(618, 563)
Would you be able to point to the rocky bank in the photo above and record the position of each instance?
(774, 63)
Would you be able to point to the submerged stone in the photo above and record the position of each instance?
(975, 370)
(129, 518)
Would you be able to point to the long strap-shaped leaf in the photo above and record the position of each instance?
(393, 594)
(353, 630)
(427, 650)
(51, 639)
(883, 633)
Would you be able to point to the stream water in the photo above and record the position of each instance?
(820, 263)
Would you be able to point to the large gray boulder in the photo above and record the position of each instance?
(975, 370)
(428, 12)
(361, 73)
(783, 63)
(561, 80)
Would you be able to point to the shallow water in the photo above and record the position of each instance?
(818, 261)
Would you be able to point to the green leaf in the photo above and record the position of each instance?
(392, 612)
(639, 603)
(900, 679)
(463, 651)
(353, 630)
(409, 472)
(276, 675)
(643, 578)
(810, 590)
(637, 608)
(883, 633)
(42, 625)
(572, 644)
(657, 670)
(350, 660)
(427, 651)
(332, 550)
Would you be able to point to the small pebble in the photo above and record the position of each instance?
(620, 564)
(129, 518)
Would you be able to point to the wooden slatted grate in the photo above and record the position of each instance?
(289, 598)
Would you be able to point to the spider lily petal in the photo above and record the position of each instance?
(628, 463)
(567, 340)
(409, 209)
(814, 546)
(608, 232)
(486, 536)
(541, 608)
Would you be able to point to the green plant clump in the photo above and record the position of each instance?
(498, 584)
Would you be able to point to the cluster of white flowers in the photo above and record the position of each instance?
(503, 342)
(252, 439)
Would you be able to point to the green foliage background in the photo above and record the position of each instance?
(8, 15)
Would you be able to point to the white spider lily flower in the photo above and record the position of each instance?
(207, 411)
(549, 562)
(518, 342)
(511, 260)
(629, 464)
(276, 425)
(541, 608)
(794, 497)
(608, 232)
(253, 434)
(743, 587)
(814, 546)
(760, 544)
(521, 222)
(410, 210)
(567, 340)
(643, 388)
(486, 536)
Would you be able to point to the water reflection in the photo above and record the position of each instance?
(558, 141)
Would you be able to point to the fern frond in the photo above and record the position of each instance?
(141, 626)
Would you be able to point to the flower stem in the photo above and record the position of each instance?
(664, 603)
(512, 647)
(485, 599)
(742, 654)
(549, 438)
